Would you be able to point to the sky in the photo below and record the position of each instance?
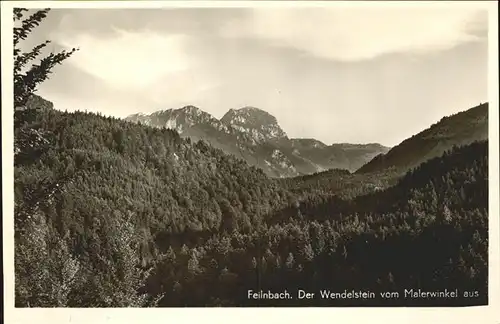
(357, 75)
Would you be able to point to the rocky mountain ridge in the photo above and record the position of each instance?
(256, 136)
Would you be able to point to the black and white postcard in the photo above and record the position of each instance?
(252, 157)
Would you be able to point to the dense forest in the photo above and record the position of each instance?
(110, 213)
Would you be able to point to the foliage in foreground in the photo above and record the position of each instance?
(28, 74)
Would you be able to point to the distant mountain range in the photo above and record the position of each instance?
(459, 129)
(255, 136)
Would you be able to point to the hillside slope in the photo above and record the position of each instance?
(428, 232)
(94, 182)
(460, 129)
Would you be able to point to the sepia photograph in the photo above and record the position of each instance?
(250, 156)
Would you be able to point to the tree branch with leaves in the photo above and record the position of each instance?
(27, 78)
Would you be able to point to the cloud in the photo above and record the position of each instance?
(126, 71)
(128, 59)
(268, 58)
(354, 34)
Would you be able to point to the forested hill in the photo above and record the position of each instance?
(90, 178)
(136, 166)
(110, 213)
(429, 232)
(459, 129)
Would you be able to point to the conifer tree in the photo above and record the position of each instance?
(27, 78)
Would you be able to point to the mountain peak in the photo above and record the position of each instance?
(251, 109)
(178, 119)
(261, 125)
(250, 114)
(192, 109)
